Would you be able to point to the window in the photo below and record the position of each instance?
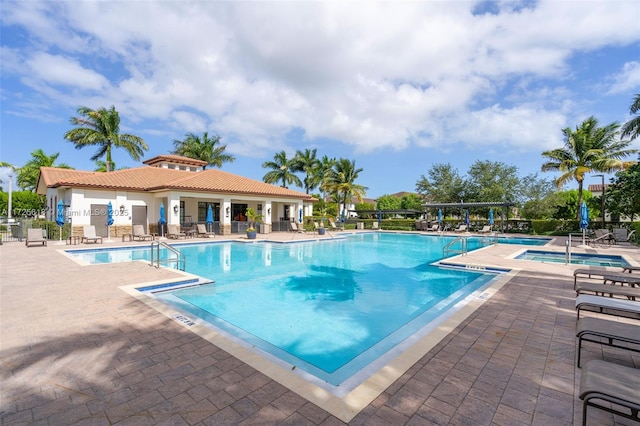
(202, 211)
(239, 212)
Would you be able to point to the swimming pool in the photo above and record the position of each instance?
(576, 258)
(329, 308)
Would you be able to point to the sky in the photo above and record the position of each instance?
(395, 86)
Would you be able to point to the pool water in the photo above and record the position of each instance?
(576, 258)
(329, 308)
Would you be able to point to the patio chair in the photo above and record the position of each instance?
(139, 234)
(89, 235)
(332, 225)
(375, 225)
(486, 229)
(601, 236)
(612, 290)
(173, 233)
(202, 231)
(434, 228)
(606, 305)
(35, 236)
(608, 333)
(621, 235)
(293, 227)
(460, 228)
(610, 387)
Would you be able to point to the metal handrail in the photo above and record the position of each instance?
(180, 259)
(464, 246)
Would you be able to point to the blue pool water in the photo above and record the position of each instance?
(330, 308)
(576, 258)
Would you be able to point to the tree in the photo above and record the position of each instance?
(587, 149)
(444, 184)
(203, 148)
(341, 181)
(101, 166)
(631, 128)
(623, 195)
(323, 167)
(282, 171)
(101, 128)
(490, 181)
(411, 202)
(388, 202)
(27, 175)
(306, 162)
(23, 203)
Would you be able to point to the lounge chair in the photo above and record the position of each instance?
(610, 387)
(611, 290)
(172, 232)
(332, 225)
(621, 235)
(601, 273)
(139, 234)
(460, 228)
(293, 227)
(601, 236)
(434, 228)
(89, 235)
(485, 230)
(202, 231)
(375, 225)
(606, 305)
(609, 333)
(35, 236)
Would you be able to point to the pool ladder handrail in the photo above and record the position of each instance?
(180, 260)
(464, 246)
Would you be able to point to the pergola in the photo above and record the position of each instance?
(462, 205)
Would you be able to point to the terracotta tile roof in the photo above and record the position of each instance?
(170, 158)
(148, 178)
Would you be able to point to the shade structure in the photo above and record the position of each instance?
(584, 220)
(60, 218)
(466, 217)
(490, 216)
(209, 218)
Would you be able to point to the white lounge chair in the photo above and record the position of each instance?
(293, 227)
(172, 232)
(139, 234)
(35, 236)
(600, 303)
(89, 235)
(485, 230)
(202, 231)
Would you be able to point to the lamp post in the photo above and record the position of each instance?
(602, 199)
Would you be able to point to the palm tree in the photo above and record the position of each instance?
(101, 166)
(102, 129)
(588, 149)
(27, 175)
(306, 162)
(282, 170)
(204, 149)
(632, 127)
(321, 173)
(341, 182)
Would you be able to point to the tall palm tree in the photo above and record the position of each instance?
(588, 149)
(321, 173)
(101, 128)
(27, 175)
(306, 162)
(282, 170)
(101, 166)
(632, 127)
(203, 148)
(341, 181)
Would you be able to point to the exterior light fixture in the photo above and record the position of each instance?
(227, 210)
(269, 210)
(175, 209)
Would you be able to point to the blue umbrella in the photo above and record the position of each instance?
(300, 215)
(60, 217)
(584, 220)
(379, 215)
(109, 218)
(209, 218)
(439, 215)
(342, 216)
(466, 217)
(162, 220)
(490, 216)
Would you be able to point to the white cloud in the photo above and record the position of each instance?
(627, 79)
(371, 75)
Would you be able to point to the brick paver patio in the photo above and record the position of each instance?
(76, 349)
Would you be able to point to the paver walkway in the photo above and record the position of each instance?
(75, 349)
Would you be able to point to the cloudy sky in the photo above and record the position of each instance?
(395, 86)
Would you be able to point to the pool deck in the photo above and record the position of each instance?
(77, 349)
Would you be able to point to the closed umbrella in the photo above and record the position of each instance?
(490, 216)
(109, 219)
(162, 220)
(466, 217)
(440, 219)
(60, 217)
(379, 216)
(300, 215)
(209, 218)
(584, 220)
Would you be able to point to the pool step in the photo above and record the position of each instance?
(174, 285)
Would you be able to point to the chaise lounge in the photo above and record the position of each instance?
(609, 333)
(139, 234)
(89, 235)
(202, 231)
(606, 305)
(172, 232)
(610, 387)
(35, 236)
